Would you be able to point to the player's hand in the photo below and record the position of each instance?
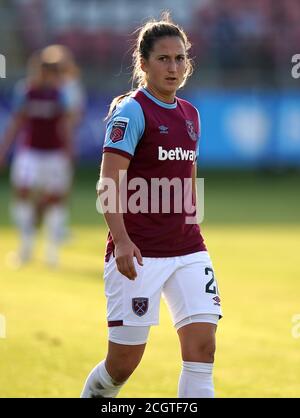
(125, 251)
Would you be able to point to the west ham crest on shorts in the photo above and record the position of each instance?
(140, 306)
(191, 130)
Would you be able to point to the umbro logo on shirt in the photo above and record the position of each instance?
(163, 129)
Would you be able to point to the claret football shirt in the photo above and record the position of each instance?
(161, 142)
(43, 108)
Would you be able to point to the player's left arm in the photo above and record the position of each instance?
(76, 101)
(194, 182)
(67, 124)
(195, 168)
(66, 127)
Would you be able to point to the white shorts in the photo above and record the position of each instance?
(49, 171)
(186, 282)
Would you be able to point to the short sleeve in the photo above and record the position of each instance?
(65, 101)
(72, 96)
(125, 128)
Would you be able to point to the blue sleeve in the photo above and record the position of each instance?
(125, 128)
(65, 100)
(72, 96)
(19, 97)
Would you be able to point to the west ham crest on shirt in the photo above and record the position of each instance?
(140, 306)
(191, 130)
(118, 129)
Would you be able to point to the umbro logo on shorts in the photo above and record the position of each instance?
(140, 306)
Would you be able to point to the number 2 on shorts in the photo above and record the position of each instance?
(214, 290)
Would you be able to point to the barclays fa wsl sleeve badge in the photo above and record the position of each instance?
(191, 130)
(118, 129)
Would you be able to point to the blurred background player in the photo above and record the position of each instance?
(70, 81)
(73, 92)
(41, 168)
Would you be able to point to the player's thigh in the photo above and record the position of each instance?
(192, 289)
(25, 171)
(56, 174)
(135, 302)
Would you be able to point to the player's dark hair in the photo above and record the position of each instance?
(147, 36)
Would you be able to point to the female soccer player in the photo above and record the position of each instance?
(153, 135)
(73, 92)
(71, 84)
(41, 165)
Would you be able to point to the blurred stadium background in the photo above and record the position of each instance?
(250, 159)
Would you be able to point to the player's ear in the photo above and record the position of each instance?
(144, 65)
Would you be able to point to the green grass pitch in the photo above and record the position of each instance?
(55, 320)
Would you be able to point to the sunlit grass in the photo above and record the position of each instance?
(56, 325)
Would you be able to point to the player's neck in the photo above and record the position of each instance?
(170, 98)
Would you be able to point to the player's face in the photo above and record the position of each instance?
(51, 78)
(166, 66)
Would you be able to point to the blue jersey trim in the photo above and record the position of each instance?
(159, 102)
(65, 100)
(131, 116)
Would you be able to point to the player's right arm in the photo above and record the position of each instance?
(14, 126)
(125, 249)
(16, 122)
(124, 130)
